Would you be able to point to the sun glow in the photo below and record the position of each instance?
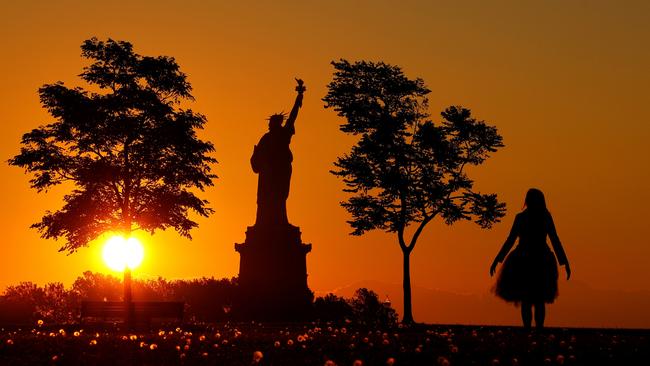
(119, 253)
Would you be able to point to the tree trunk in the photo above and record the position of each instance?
(406, 284)
(129, 316)
(128, 300)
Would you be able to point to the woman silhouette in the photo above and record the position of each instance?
(529, 274)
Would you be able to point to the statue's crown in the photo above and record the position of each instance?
(277, 116)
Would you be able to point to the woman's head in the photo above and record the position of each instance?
(535, 200)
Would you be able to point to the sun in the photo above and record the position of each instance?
(119, 253)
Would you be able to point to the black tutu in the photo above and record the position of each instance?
(528, 276)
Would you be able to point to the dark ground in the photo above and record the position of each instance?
(315, 344)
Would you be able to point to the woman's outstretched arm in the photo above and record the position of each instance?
(296, 106)
(507, 245)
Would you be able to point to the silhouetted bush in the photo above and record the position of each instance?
(206, 299)
(332, 308)
(364, 309)
(370, 311)
(27, 301)
(98, 287)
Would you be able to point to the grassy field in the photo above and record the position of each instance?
(320, 344)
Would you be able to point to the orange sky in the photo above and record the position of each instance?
(565, 82)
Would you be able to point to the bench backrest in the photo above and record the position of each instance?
(151, 309)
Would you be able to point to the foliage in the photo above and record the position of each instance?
(26, 300)
(125, 143)
(207, 299)
(97, 287)
(332, 308)
(405, 169)
(368, 310)
(364, 309)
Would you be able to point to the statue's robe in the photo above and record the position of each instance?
(271, 160)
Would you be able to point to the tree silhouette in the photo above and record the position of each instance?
(205, 298)
(405, 170)
(126, 144)
(368, 310)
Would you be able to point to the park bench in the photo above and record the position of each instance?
(143, 311)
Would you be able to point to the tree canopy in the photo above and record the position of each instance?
(126, 143)
(405, 169)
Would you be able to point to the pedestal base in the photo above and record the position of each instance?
(273, 275)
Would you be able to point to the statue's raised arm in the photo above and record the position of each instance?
(300, 88)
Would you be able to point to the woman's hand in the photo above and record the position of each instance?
(493, 267)
(567, 268)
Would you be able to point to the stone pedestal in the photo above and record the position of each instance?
(273, 275)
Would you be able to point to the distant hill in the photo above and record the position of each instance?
(629, 310)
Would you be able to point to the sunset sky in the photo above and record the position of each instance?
(567, 83)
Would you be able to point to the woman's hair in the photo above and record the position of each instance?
(535, 201)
